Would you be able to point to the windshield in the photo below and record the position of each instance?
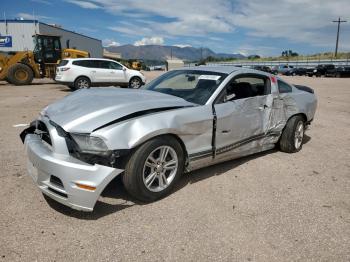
(192, 85)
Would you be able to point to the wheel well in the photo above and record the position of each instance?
(82, 76)
(125, 158)
(135, 77)
(174, 136)
(299, 114)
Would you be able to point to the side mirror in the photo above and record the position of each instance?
(229, 97)
(124, 69)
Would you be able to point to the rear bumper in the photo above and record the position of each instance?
(43, 164)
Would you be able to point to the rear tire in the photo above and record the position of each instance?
(148, 176)
(291, 140)
(20, 74)
(81, 82)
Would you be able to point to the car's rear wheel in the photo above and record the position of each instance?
(153, 169)
(135, 82)
(82, 82)
(293, 134)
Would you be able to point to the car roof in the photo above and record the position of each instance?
(224, 69)
(218, 69)
(88, 58)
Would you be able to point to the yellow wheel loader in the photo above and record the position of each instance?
(19, 68)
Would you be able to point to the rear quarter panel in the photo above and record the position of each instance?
(299, 102)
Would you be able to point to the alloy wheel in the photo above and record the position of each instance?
(160, 168)
(135, 83)
(299, 135)
(83, 83)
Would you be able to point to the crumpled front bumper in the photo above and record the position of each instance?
(45, 166)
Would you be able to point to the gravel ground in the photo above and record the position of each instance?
(267, 207)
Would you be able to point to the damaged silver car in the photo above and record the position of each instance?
(183, 120)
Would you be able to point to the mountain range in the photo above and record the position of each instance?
(162, 52)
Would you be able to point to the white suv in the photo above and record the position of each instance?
(86, 72)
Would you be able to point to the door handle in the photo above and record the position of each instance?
(262, 107)
(226, 131)
(93, 71)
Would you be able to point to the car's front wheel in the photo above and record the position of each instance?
(135, 82)
(82, 82)
(153, 169)
(291, 140)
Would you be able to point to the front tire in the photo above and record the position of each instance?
(293, 134)
(82, 82)
(153, 169)
(135, 82)
(20, 74)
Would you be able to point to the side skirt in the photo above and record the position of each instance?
(205, 154)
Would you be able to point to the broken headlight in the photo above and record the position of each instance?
(89, 144)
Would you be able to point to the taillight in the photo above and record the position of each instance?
(273, 79)
(64, 69)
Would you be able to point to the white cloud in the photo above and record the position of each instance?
(298, 21)
(42, 2)
(182, 45)
(84, 4)
(31, 16)
(247, 50)
(305, 21)
(110, 42)
(185, 17)
(130, 29)
(155, 40)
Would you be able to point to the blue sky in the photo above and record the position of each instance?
(230, 26)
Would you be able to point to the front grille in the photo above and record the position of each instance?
(56, 181)
(43, 132)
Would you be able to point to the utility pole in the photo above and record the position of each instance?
(336, 44)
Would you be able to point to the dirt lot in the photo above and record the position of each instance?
(267, 207)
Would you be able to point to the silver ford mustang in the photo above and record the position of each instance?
(183, 120)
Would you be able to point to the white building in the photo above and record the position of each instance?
(174, 63)
(16, 35)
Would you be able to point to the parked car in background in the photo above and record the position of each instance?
(341, 71)
(283, 69)
(86, 72)
(310, 71)
(184, 120)
(263, 68)
(321, 70)
(296, 71)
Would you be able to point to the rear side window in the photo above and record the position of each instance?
(284, 87)
(63, 63)
(83, 63)
(94, 64)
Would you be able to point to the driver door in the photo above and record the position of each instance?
(243, 121)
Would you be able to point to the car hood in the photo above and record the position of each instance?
(88, 109)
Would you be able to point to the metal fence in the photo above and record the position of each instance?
(296, 63)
